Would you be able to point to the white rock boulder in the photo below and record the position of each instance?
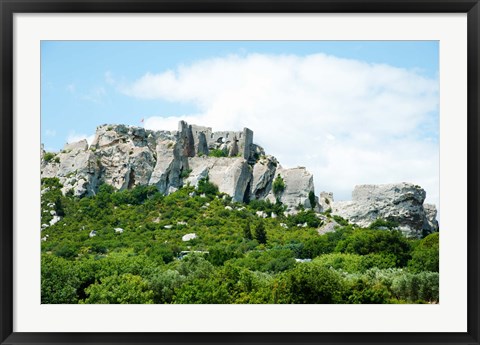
(298, 184)
(189, 237)
(401, 203)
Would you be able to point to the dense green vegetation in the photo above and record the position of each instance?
(278, 186)
(49, 156)
(237, 256)
(218, 153)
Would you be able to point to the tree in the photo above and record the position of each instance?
(311, 198)
(247, 233)
(124, 289)
(260, 233)
(48, 156)
(382, 224)
(312, 284)
(104, 196)
(278, 186)
(205, 186)
(218, 153)
(211, 290)
(425, 256)
(365, 242)
(164, 285)
(60, 280)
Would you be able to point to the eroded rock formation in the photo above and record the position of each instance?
(125, 157)
(401, 203)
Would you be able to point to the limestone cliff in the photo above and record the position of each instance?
(125, 157)
(401, 203)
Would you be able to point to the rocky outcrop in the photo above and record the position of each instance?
(431, 217)
(298, 185)
(170, 163)
(125, 157)
(325, 201)
(327, 225)
(263, 174)
(401, 203)
(231, 175)
(75, 166)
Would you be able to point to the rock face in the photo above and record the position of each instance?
(125, 157)
(75, 166)
(401, 203)
(231, 175)
(263, 174)
(326, 200)
(298, 185)
(431, 217)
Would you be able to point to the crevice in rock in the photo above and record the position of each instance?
(246, 194)
(131, 179)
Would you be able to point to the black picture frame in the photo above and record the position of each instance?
(7, 10)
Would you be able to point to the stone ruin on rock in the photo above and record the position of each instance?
(204, 139)
(125, 157)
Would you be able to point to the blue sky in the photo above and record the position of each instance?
(367, 102)
(76, 95)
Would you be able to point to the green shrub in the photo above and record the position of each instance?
(365, 291)
(247, 233)
(340, 220)
(60, 280)
(365, 242)
(66, 250)
(381, 260)
(164, 285)
(217, 153)
(48, 156)
(267, 206)
(218, 255)
(203, 291)
(194, 265)
(425, 256)
(205, 186)
(383, 224)
(312, 199)
(312, 284)
(273, 260)
(185, 173)
(260, 233)
(350, 265)
(278, 186)
(423, 286)
(124, 289)
(302, 217)
(161, 253)
(346, 262)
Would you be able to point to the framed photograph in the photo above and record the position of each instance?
(239, 172)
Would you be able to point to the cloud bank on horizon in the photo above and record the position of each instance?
(349, 122)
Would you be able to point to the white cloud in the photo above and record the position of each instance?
(347, 121)
(95, 95)
(109, 79)
(74, 137)
(50, 133)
